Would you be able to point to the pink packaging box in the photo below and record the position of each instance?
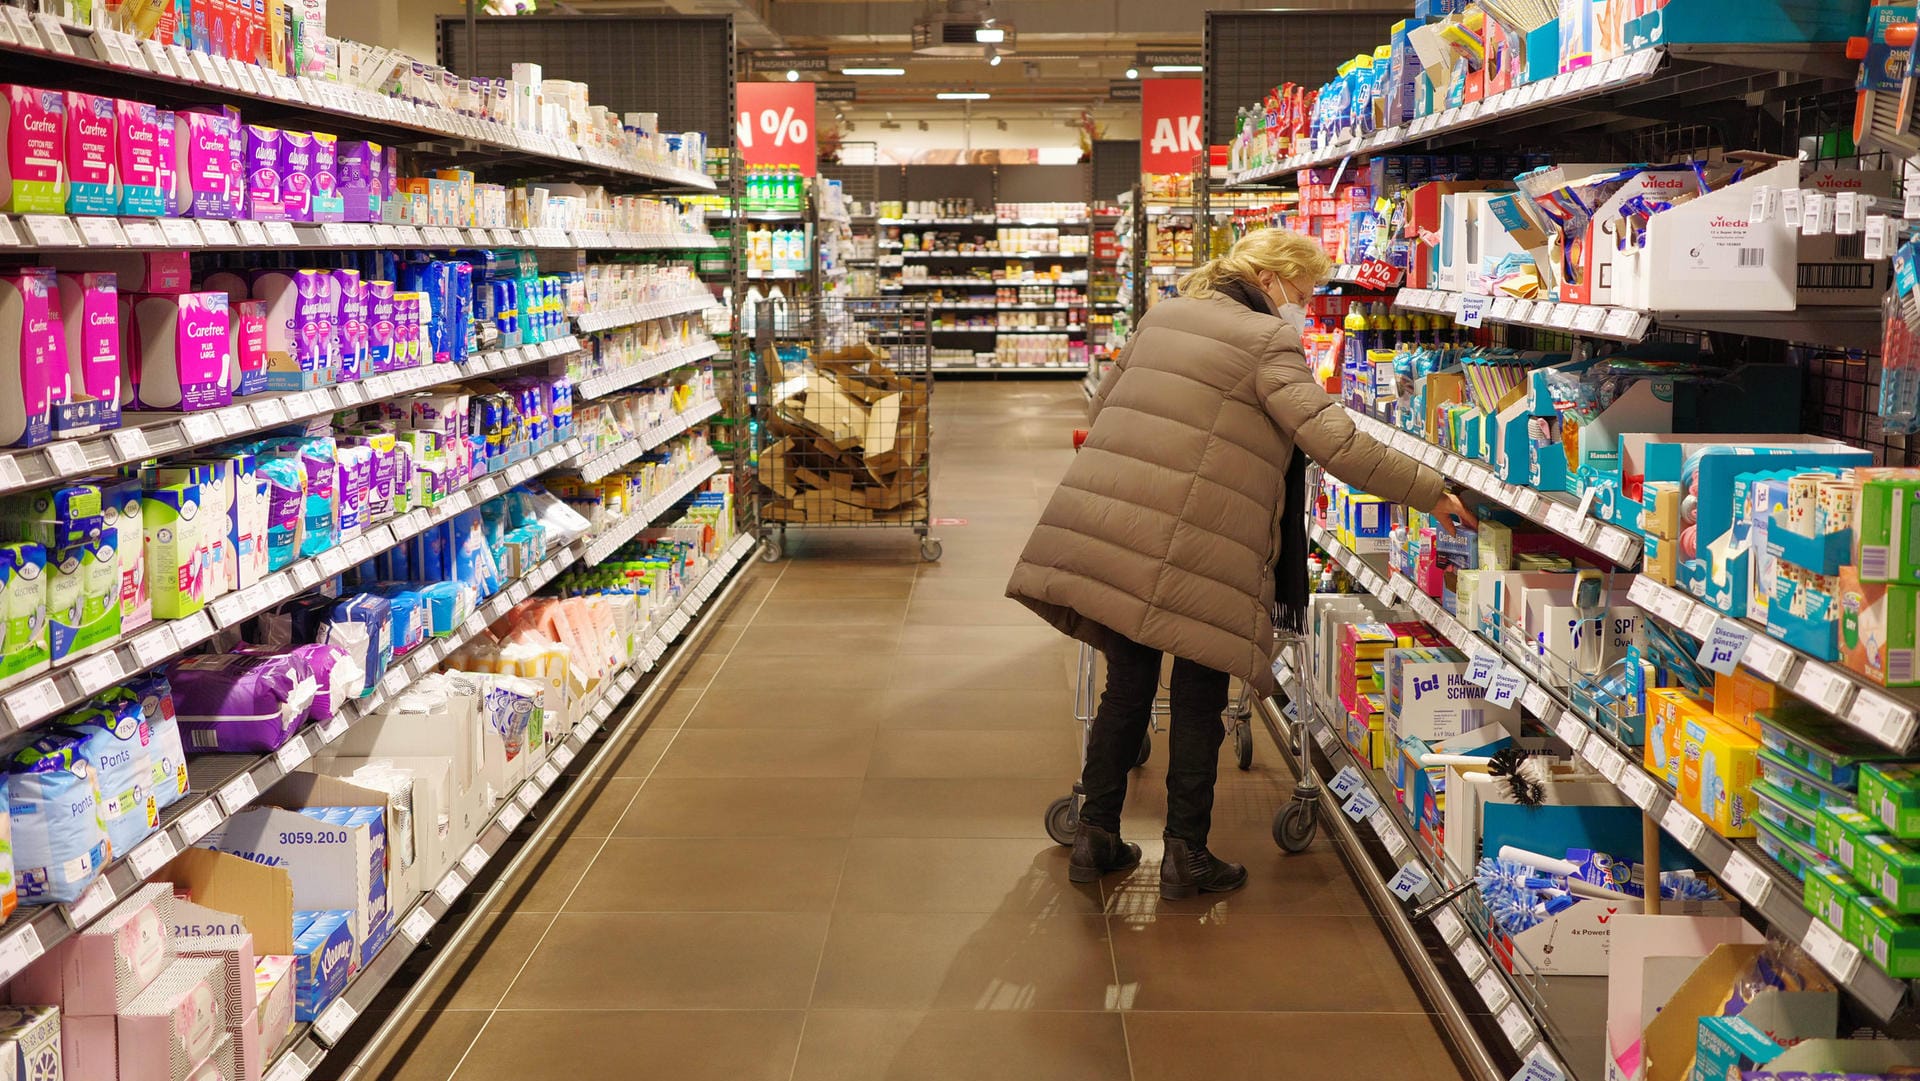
(33, 356)
(174, 1025)
(250, 345)
(180, 348)
(144, 157)
(33, 159)
(235, 954)
(92, 173)
(273, 983)
(101, 970)
(207, 153)
(90, 319)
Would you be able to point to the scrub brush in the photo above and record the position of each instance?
(1525, 775)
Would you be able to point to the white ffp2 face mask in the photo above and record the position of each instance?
(1294, 314)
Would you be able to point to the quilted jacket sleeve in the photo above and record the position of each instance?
(1113, 376)
(1320, 428)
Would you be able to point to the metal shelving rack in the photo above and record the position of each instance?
(1644, 106)
(47, 52)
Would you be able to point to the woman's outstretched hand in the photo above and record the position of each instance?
(1449, 508)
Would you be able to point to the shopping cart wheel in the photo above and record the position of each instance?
(1243, 743)
(1063, 820)
(1146, 750)
(771, 550)
(930, 549)
(1293, 827)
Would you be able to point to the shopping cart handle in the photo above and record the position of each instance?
(1079, 438)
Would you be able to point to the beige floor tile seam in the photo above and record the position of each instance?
(562, 907)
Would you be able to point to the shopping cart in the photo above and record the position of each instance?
(1294, 826)
(1063, 814)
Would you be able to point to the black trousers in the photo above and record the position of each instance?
(1197, 698)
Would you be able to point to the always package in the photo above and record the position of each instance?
(240, 702)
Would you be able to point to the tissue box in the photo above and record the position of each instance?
(322, 959)
(101, 970)
(273, 987)
(175, 1024)
(30, 1042)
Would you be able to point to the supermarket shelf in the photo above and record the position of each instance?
(1508, 1002)
(759, 215)
(1555, 510)
(75, 680)
(992, 255)
(49, 52)
(311, 1043)
(1769, 889)
(659, 364)
(980, 220)
(224, 784)
(1840, 327)
(1071, 279)
(1077, 328)
(147, 435)
(61, 232)
(691, 304)
(1503, 107)
(1349, 274)
(1890, 716)
(775, 275)
(629, 526)
(598, 465)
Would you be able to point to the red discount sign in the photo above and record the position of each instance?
(1375, 274)
(775, 125)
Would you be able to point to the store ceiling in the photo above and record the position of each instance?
(1065, 52)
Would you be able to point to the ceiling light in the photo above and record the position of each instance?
(990, 35)
(993, 58)
(793, 76)
(873, 71)
(1133, 73)
(963, 95)
(1178, 67)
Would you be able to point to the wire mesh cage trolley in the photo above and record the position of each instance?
(845, 424)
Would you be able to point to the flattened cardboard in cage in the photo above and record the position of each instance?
(846, 451)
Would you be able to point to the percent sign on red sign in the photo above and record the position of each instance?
(775, 125)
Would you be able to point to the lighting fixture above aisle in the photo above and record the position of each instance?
(963, 95)
(873, 71)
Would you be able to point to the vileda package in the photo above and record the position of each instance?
(33, 169)
(93, 185)
(205, 162)
(144, 156)
(33, 361)
(181, 349)
(90, 321)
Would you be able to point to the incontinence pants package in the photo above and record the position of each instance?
(59, 841)
(240, 703)
(115, 741)
(154, 696)
(362, 625)
(336, 673)
(101, 970)
(174, 1025)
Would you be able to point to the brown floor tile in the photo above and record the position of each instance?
(899, 559)
(835, 613)
(579, 1043)
(556, 867)
(960, 875)
(978, 709)
(964, 961)
(1013, 638)
(755, 961)
(608, 801)
(818, 704)
(1302, 1046)
(962, 671)
(765, 753)
(856, 644)
(944, 753)
(951, 1045)
(970, 807)
(426, 1047)
(748, 669)
(1177, 962)
(743, 807)
(841, 588)
(477, 975)
(643, 752)
(712, 874)
(947, 587)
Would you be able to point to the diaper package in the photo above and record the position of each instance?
(152, 697)
(59, 840)
(241, 703)
(115, 741)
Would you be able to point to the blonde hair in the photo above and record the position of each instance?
(1289, 255)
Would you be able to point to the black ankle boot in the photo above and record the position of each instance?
(1097, 852)
(1187, 870)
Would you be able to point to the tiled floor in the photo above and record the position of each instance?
(824, 858)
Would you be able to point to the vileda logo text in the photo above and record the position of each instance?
(1730, 223)
(1829, 183)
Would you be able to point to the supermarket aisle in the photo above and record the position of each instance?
(824, 858)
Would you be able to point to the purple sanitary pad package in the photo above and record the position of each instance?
(237, 702)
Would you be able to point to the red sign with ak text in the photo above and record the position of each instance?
(775, 125)
(1170, 136)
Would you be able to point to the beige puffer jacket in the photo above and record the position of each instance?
(1166, 527)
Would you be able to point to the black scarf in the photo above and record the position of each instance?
(1290, 587)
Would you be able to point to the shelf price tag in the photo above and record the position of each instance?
(101, 232)
(1748, 879)
(1411, 880)
(200, 821)
(1639, 787)
(1472, 959)
(21, 948)
(1833, 952)
(1606, 761)
(130, 445)
(450, 887)
(473, 859)
(1449, 925)
(290, 1067)
(1824, 687)
(237, 793)
(1881, 717)
(334, 1021)
(1519, 1032)
(293, 754)
(1685, 826)
(153, 854)
(1723, 646)
(91, 902)
(1571, 730)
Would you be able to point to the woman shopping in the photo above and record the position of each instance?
(1168, 531)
